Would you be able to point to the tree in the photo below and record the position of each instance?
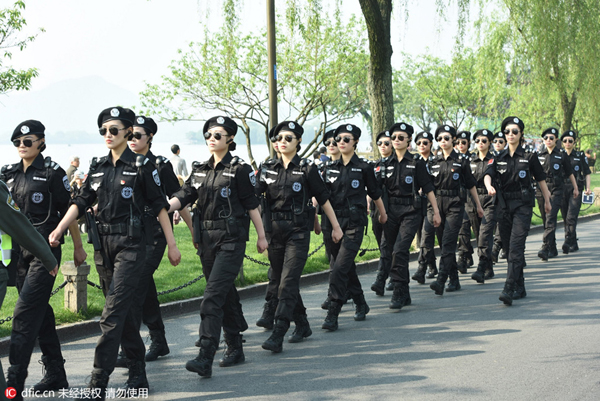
(11, 23)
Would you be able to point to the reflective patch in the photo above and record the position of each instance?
(127, 192)
(455, 176)
(556, 166)
(156, 178)
(252, 177)
(355, 184)
(408, 179)
(95, 186)
(37, 197)
(522, 174)
(268, 180)
(225, 192)
(297, 187)
(66, 183)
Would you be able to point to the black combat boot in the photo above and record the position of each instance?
(15, 378)
(401, 296)
(543, 253)
(489, 273)
(268, 315)
(438, 284)
(99, 381)
(503, 254)
(158, 346)
(479, 274)
(470, 260)
(55, 377)
(389, 286)
(519, 291)
(462, 264)
(495, 252)
(121, 360)
(202, 364)
(137, 375)
(552, 252)
(378, 285)
(507, 293)
(574, 247)
(326, 303)
(331, 321)
(454, 284)
(432, 270)
(275, 342)
(234, 353)
(566, 246)
(419, 275)
(302, 329)
(361, 308)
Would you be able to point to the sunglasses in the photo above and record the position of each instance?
(444, 138)
(26, 142)
(138, 135)
(288, 138)
(500, 141)
(398, 137)
(114, 131)
(330, 142)
(566, 140)
(216, 135)
(513, 131)
(386, 143)
(549, 137)
(424, 143)
(484, 141)
(346, 139)
(463, 142)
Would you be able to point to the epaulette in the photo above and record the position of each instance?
(161, 160)
(304, 162)
(329, 162)
(196, 165)
(270, 161)
(48, 163)
(235, 160)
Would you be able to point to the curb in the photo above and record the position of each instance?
(74, 331)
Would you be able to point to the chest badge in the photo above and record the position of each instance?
(37, 197)
(355, 184)
(127, 192)
(576, 168)
(408, 179)
(522, 174)
(225, 192)
(297, 187)
(455, 176)
(556, 166)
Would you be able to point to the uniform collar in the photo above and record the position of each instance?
(453, 155)
(295, 160)
(226, 161)
(127, 156)
(407, 156)
(487, 156)
(38, 163)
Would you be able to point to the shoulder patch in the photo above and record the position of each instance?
(65, 181)
(156, 177)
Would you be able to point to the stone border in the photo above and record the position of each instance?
(74, 331)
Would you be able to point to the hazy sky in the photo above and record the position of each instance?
(127, 42)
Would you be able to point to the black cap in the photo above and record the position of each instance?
(291, 126)
(550, 131)
(484, 132)
(29, 127)
(221, 121)
(424, 135)
(512, 120)
(446, 129)
(350, 129)
(464, 135)
(126, 116)
(146, 123)
(568, 134)
(384, 134)
(500, 135)
(328, 134)
(404, 127)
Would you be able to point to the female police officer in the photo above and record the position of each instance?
(513, 169)
(223, 187)
(451, 177)
(123, 185)
(403, 177)
(289, 183)
(41, 189)
(349, 180)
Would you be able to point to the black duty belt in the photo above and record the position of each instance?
(401, 201)
(342, 212)
(214, 224)
(447, 192)
(286, 215)
(512, 195)
(105, 229)
(482, 191)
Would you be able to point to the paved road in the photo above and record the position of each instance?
(462, 345)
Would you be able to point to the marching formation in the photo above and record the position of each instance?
(130, 194)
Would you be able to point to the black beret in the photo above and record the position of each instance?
(500, 135)
(484, 132)
(464, 135)
(328, 134)
(550, 131)
(349, 128)
(570, 134)
(146, 123)
(221, 121)
(447, 129)
(126, 116)
(291, 126)
(404, 127)
(512, 120)
(424, 135)
(382, 133)
(29, 127)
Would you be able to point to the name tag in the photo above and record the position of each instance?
(523, 161)
(436, 166)
(410, 166)
(39, 178)
(272, 172)
(200, 174)
(502, 163)
(97, 174)
(229, 175)
(356, 169)
(297, 172)
(457, 164)
(129, 173)
(335, 171)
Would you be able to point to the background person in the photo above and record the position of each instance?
(179, 164)
(74, 165)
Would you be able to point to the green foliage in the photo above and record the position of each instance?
(11, 23)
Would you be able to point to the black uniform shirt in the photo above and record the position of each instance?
(557, 167)
(221, 189)
(402, 177)
(514, 173)
(347, 183)
(117, 187)
(42, 192)
(479, 167)
(290, 189)
(168, 179)
(580, 167)
(452, 173)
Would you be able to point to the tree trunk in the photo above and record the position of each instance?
(377, 15)
(568, 108)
